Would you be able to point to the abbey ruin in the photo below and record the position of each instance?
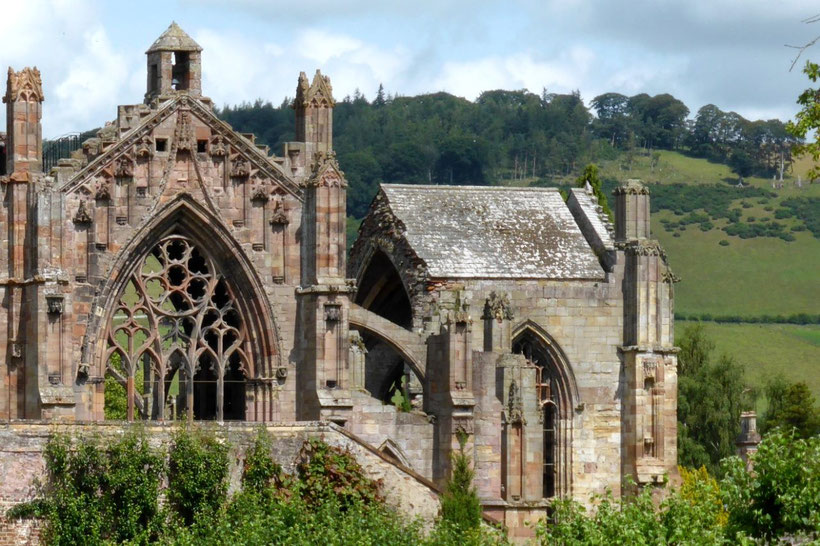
(183, 265)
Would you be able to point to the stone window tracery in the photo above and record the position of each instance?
(553, 396)
(177, 341)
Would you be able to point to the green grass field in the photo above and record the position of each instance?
(759, 276)
(767, 350)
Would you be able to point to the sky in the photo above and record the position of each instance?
(730, 53)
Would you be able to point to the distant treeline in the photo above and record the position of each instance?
(514, 135)
(797, 318)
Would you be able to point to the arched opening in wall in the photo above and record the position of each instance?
(177, 341)
(555, 391)
(382, 291)
(387, 376)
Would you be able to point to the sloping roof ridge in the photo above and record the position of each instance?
(245, 145)
(454, 187)
(123, 141)
(239, 141)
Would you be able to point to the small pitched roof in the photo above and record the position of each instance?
(492, 232)
(174, 39)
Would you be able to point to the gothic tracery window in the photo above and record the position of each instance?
(176, 340)
(552, 397)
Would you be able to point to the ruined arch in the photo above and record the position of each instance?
(389, 364)
(204, 321)
(557, 394)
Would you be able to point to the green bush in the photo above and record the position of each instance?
(778, 500)
(197, 474)
(723, 242)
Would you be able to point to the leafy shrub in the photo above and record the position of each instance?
(779, 499)
(197, 474)
(260, 471)
(327, 472)
(781, 495)
(723, 242)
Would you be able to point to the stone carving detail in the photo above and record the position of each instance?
(124, 167)
(55, 304)
(259, 194)
(515, 407)
(82, 217)
(669, 277)
(318, 93)
(498, 307)
(240, 167)
(333, 312)
(632, 187)
(463, 426)
(217, 147)
(649, 369)
(326, 172)
(279, 217)
(25, 85)
(144, 148)
(102, 191)
(184, 133)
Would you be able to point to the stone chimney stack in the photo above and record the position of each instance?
(24, 98)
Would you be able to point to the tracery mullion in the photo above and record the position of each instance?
(156, 340)
(196, 335)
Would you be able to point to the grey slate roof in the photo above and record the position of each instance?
(492, 232)
(174, 39)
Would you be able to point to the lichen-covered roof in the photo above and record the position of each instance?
(174, 39)
(491, 232)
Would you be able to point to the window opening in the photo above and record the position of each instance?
(546, 384)
(201, 146)
(154, 78)
(177, 338)
(161, 144)
(179, 71)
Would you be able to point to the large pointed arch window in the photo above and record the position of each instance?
(554, 392)
(177, 343)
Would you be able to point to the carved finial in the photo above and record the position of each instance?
(25, 85)
(318, 93)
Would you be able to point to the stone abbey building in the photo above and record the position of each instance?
(179, 265)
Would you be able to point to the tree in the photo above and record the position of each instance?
(808, 121)
(791, 406)
(459, 503)
(710, 400)
(590, 175)
(741, 164)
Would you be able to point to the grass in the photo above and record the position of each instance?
(760, 276)
(769, 349)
